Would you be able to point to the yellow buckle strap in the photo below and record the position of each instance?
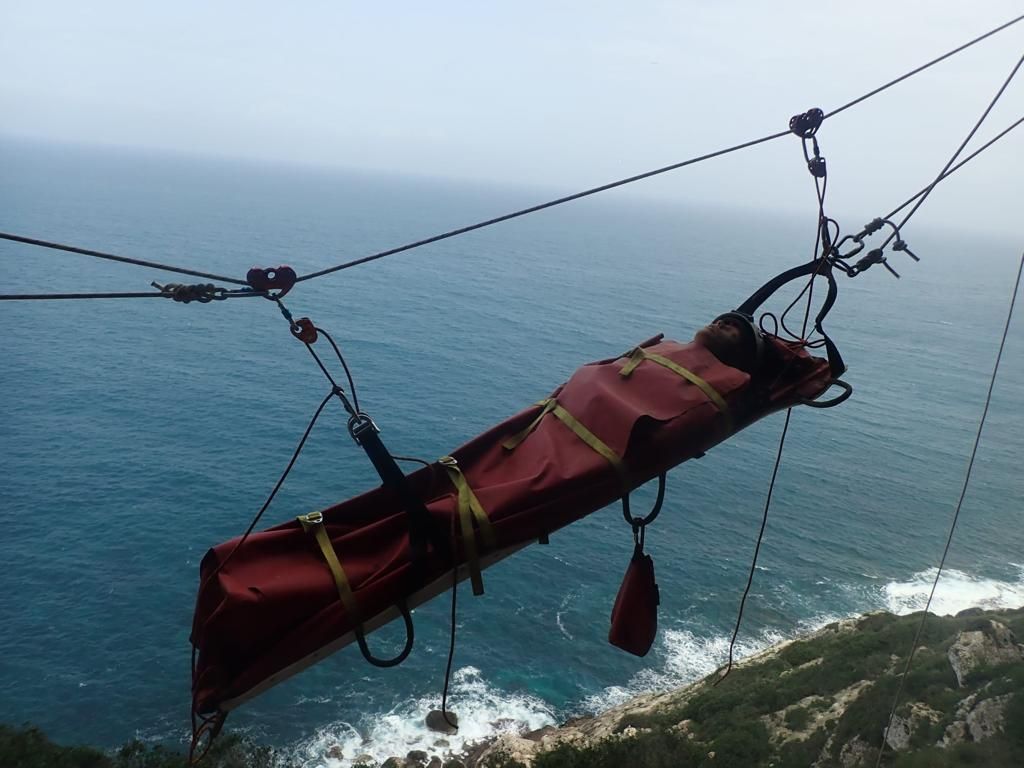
(638, 355)
(314, 522)
(589, 438)
(470, 508)
(550, 405)
(546, 406)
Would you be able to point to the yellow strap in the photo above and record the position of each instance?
(469, 507)
(550, 405)
(546, 407)
(589, 438)
(314, 522)
(638, 355)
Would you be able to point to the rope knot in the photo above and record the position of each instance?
(204, 293)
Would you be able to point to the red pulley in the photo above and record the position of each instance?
(635, 614)
(304, 330)
(280, 279)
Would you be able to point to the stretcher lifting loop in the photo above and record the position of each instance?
(470, 509)
(314, 523)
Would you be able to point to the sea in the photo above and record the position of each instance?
(137, 433)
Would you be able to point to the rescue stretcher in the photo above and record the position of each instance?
(304, 589)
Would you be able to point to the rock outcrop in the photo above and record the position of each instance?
(821, 700)
(990, 646)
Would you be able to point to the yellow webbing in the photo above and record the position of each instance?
(551, 406)
(638, 355)
(546, 407)
(469, 507)
(314, 522)
(589, 438)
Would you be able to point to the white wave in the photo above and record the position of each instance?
(561, 610)
(955, 592)
(687, 657)
(483, 711)
(681, 657)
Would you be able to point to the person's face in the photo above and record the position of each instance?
(721, 336)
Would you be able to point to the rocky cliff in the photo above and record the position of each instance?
(822, 700)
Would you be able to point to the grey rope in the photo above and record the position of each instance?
(956, 514)
(956, 167)
(539, 207)
(202, 293)
(923, 67)
(942, 173)
(757, 549)
(641, 176)
(113, 257)
(506, 217)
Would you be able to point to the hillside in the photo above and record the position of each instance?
(822, 700)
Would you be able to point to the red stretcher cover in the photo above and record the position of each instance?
(273, 608)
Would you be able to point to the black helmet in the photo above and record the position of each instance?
(752, 334)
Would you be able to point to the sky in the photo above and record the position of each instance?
(560, 95)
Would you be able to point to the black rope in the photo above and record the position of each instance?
(48, 296)
(455, 586)
(757, 549)
(273, 493)
(175, 293)
(956, 167)
(977, 125)
(336, 390)
(641, 176)
(244, 292)
(923, 67)
(348, 375)
(540, 207)
(956, 514)
(451, 641)
(506, 217)
(113, 257)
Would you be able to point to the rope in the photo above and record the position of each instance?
(203, 293)
(757, 549)
(451, 635)
(113, 257)
(955, 168)
(923, 67)
(539, 207)
(956, 514)
(273, 493)
(641, 176)
(977, 125)
(351, 381)
(244, 293)
(505, 217)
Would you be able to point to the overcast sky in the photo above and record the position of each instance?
(558, 94)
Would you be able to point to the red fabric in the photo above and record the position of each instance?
(635, 613)
(275, 601)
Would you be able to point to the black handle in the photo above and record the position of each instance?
(402, 656)
(841, 398)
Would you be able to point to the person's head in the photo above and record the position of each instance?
(734, 340)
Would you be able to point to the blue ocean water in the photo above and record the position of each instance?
(136, 434)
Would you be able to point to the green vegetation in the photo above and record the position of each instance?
(730, 722)
(797, 718)
(29, 748)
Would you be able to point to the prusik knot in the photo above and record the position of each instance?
(204, 293)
